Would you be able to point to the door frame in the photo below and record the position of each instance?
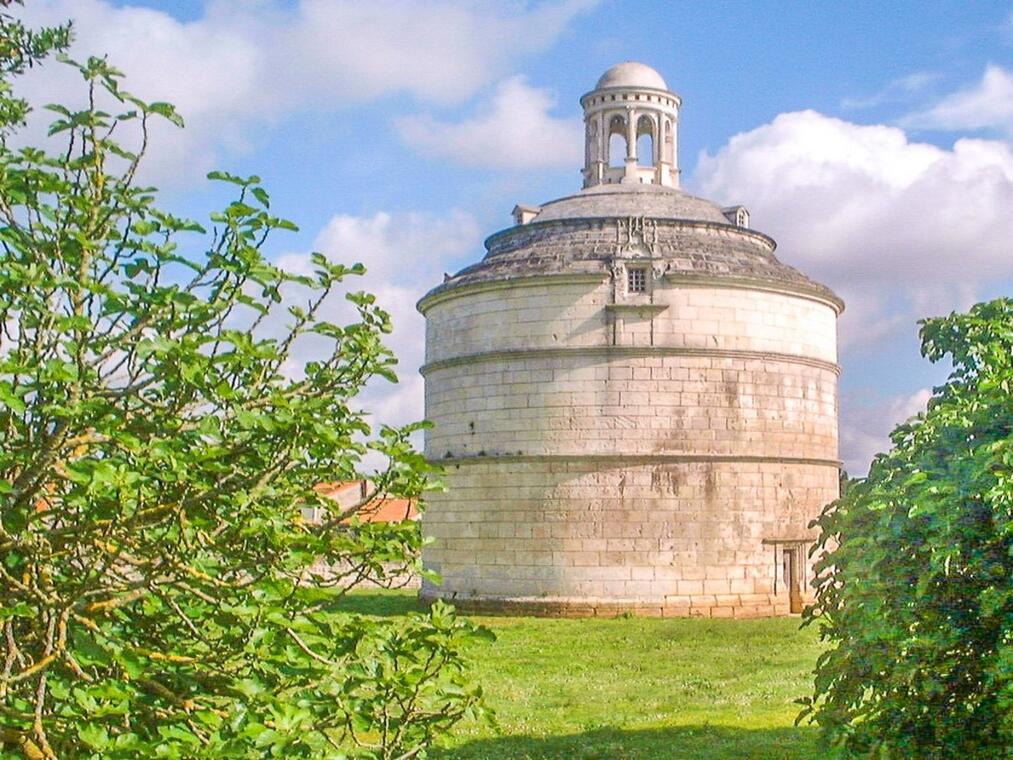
(791, 569)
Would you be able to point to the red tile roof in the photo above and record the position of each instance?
(380, 509)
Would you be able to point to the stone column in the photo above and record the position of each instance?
(631, 146)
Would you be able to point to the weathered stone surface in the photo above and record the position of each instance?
(652, 201)
(674, 246)
(655, 444)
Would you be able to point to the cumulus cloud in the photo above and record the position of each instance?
(866, 424)
(900, 229)
(244, 64)
(514, 130)
(986, 105)
(440, 51)
(209, 73)
(405, 255)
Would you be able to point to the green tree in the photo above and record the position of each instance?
(915, 591)
(161, 594)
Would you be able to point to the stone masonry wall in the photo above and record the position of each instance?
(599, 537)
(574, 314)
(652, 458)
(636, 405)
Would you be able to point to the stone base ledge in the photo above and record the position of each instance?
(731, 606)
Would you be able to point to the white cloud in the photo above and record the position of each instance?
(514, 130)
(439, 51)
(246, 64)
(986, 105)
(405, 255)
(900, 89)
(207, 72)
(900, 229)
(866, 425)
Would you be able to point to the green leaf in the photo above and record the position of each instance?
(20, 609)
(167, 111)
(95, 736)
(261, 195)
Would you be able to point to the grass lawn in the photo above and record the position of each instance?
(634, 688)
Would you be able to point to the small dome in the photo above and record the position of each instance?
(631, 74)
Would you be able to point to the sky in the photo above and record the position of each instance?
(872, 140)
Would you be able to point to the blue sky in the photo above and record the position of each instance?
(871, 139)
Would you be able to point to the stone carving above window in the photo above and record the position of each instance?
(636, 237)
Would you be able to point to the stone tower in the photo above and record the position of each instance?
(635, 402)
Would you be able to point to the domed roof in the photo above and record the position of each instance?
(654, 201)
(631, 74)
(582, 234)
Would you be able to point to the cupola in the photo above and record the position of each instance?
(630, 128)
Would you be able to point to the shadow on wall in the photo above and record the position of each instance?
(677, 743)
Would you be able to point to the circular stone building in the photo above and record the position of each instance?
(635, 402)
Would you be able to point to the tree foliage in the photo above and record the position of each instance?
(20, 49)
(161, 594)
(915, 591)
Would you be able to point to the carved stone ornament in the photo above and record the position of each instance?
(636, 237)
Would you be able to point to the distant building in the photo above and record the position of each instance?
(635, 401)
(381, 508)
(378, 509)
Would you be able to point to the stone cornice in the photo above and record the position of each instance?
(635, 459)
(438, 296)
(628, 88)
(607, 352)
(746, 283)
(656, 308)
(661, 221)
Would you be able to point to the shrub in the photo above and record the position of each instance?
(914, 592)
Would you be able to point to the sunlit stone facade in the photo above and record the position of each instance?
(635, 402)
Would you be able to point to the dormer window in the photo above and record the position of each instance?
(737, 215)
(636, 280)
(524, 214)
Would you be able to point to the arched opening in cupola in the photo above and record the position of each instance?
(645, 141)
(617, 141)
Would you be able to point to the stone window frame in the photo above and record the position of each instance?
(636, 279)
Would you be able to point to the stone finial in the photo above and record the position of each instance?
(631, 101)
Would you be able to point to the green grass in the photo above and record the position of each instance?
(634, 688)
